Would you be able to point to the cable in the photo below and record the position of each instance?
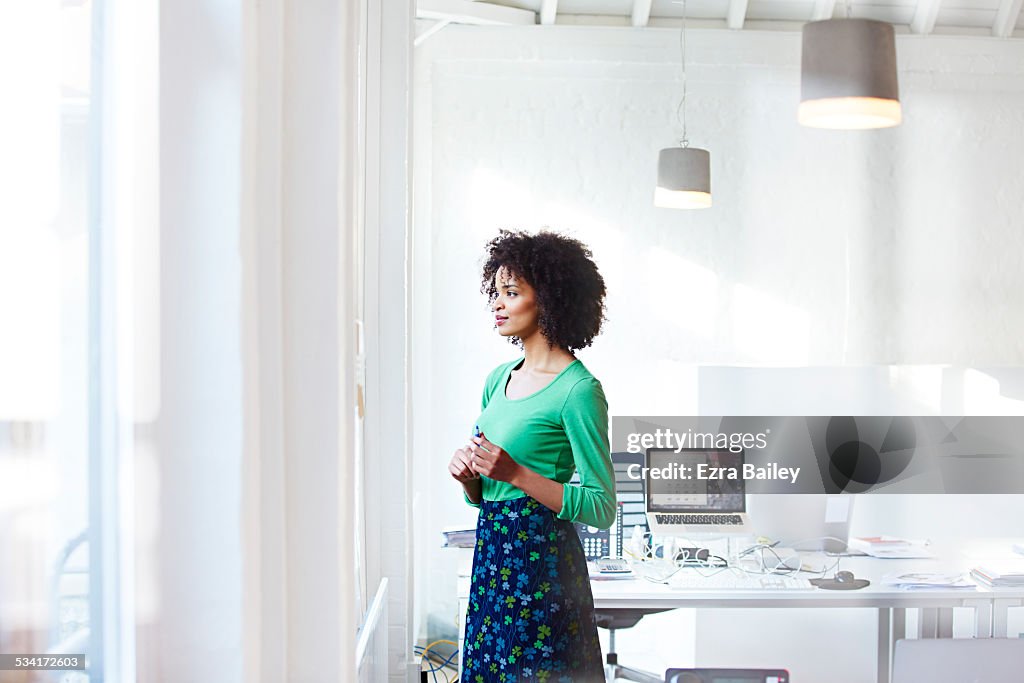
(438, 642)
(445, 663)
(716, 564)
(641, 565)
(681, 109)
(441, 667)
(780, 567)
(426, 652)
(803, 567)
(432, 669)
(822, 572)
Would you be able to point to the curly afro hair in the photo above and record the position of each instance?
(569, 289)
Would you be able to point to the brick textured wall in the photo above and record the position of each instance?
(824, 248)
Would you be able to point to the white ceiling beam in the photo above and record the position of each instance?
(924, 16)
(1006, 18)
(435, 27)
(548, 10)
(478, 13)
(823, 9)
(641, 12)
(737, 14)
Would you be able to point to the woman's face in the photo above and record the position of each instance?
(515, 308)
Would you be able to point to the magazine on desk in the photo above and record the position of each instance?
(918, 581)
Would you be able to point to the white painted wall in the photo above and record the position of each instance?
(843, 250)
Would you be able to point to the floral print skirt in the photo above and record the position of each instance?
(531, 612)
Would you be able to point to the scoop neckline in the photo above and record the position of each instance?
(508, 376)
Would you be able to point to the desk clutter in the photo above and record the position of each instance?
(674, 562)
(757, 567)
(664, 560)
(1005, 574)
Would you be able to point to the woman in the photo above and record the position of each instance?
(544, 416)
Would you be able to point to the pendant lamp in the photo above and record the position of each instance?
(684, 178)
(684, 172)
(848, 75)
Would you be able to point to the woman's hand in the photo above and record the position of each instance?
(493, 461)
(460, 466)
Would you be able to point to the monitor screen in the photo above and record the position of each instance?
(694, 480)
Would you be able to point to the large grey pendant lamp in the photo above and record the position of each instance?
(848, 74)
(684, 172)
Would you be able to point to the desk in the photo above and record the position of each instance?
(990, 605)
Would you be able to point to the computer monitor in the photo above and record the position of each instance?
(804, 521)
(695, 490)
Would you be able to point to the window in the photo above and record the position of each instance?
(58, 504)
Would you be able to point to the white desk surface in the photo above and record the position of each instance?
(862, 567)
(949, 557)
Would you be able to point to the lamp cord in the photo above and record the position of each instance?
(681, 109)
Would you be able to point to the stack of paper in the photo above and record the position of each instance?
(457, 537)
(1000, 573)
(916, 581)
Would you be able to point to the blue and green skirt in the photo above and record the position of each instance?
(531, 612)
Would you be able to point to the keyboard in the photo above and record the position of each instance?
(727, 580)
(689, 518)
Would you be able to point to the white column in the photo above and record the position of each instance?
(199, 422)
(255, 430)
(388, 187)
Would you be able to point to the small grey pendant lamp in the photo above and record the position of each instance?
(684, 178)
(848, 74)
(684, 172)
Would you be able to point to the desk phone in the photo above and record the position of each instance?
(596, 542)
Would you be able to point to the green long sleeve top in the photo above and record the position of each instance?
(558, 430)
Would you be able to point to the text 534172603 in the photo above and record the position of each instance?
(37, 662)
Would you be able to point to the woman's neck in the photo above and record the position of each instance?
(542, 358)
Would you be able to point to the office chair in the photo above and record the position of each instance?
(955, 660)
(613, 619)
